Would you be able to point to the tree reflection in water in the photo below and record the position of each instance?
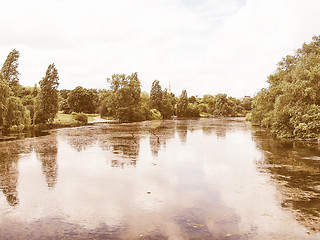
(46, 150)
(81, 140)
(160, 133)
(295, 167)
(182, 129)
(9, 174)
(9, 171)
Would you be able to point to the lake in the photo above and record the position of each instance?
(175, 179)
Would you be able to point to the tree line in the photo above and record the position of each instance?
(22, 107)
(290, 105)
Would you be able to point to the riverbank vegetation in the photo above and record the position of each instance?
(44, 104)
(290, 105)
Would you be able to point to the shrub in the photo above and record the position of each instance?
(16, 128)
(82, 118)
(155, 114)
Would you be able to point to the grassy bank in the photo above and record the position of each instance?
(68, 119)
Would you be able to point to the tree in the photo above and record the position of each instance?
(105, 100)
(156, 95)
(4, 95)
(221, 105)
(182, 105)
(16, 114)
(167, 108)
(47, 102)
(246, 103)
(83, 100)
(209, 102)
(290, 105)
(10, 71)
(125, 104)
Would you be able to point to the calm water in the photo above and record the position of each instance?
(188, 179)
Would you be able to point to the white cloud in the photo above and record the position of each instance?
(206, 46)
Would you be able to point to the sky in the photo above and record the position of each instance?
(203, 46)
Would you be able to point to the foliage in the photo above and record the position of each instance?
(10, 71)
(16, 114)
(64, 93)
(125, 102)
(46, 105)
(30, 108)
(105, 100)
(4, 94)
(290, 104)
(27, 100)
(82, 118)
(83, 100)
(192, 110)
(64, 106)
(155, 114)
(156, 95)
(182, 105)
(246, 103)
(166, 103)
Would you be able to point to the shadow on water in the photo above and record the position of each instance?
(46, 150)
(9, 170)
(295, 169)
(30, 133)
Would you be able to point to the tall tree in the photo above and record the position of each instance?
(167, 108)
(156, 95)
(16, 114)
(182, 105)
(10, 71)
(126, 97)
(4, 94)
(47, 102)
(290, 105)
(83, 100)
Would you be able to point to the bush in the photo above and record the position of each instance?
(82, 118)
(16, 128)
(155, 114)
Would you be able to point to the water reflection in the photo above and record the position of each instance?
(46, 150)
(182, 129)
(160, 133)
(185, 179)
(295, 169)
(80, 140)
(9, 175)
(123, 141)
(9, 169)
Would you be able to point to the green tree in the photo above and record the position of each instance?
(47, 102)
(126, 91)
(182, 105)
(167, 108)
(4, 95)
(16, 114)
(105, 100)
(291, 103)
(83, 100)
(156, 95)
(10, 71)
(210, 102)
(221, 105)
(246, 103)
(35, 91)
(146, 106)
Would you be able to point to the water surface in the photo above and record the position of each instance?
(181, 179)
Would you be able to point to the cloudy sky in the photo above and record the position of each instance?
(203, 46)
